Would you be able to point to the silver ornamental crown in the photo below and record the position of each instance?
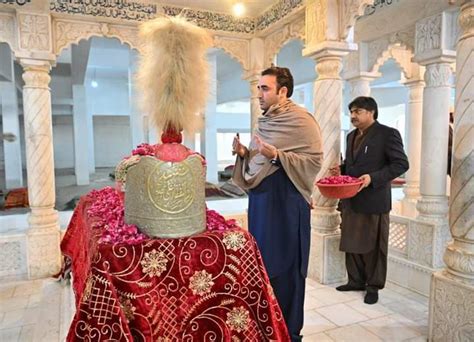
(166, 199)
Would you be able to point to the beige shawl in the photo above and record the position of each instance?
(296, 135)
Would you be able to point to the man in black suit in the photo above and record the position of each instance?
(375, 155)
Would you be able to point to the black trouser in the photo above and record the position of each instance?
(291, 299)
(368, 269)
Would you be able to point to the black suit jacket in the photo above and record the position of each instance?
(380, 155)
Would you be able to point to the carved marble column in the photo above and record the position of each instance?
(433, 205)
(327, 262)
(452, 290)
(43, 235)
(257, 60)
(413, 125)
(360, 85)
(428, 234)
(255, 110)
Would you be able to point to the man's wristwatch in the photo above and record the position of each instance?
(275, 161)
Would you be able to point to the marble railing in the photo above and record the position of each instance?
(398, 237)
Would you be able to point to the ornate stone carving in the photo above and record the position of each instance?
(255, 110)
(43, 236)
(226, 22)
(351, 10)
(466, 20)
(433, 209)
(398, 236)
(328, 101)
(212, 20)
(452, 310)
(376, 49)
(297, 28)
(329, 68)
(460, 261)
(428, 34)
(315, 268)
(67, 32)
(316, 20)
(420, 242)
(34, 32)
(325, 218)
(275, 40)
(44, 256)
(378, 4)
(277, 12)
(326, 263)
(438, 75)
(239, 49)
(71, 32)
(12, 256)
(335, 271)
(360, 87)
(15, 2)
(124, 9)
(405, 38)
(125, 34)
(462, 185)
(7, 29)
(351, 62)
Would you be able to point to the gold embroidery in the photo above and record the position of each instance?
(88, 289)
(127, 308)
(238, 319)
(234, 240)
(154, 263)
(201, 282)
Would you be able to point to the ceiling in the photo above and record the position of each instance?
(253, 7)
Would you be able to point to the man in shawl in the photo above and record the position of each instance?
(279, 169)
(374, 154)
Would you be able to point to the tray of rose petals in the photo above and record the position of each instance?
(339, 186)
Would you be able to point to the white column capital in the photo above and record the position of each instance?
(36, 73)
(438, 75)
(360, 83)
(329, 49)
(255, 110)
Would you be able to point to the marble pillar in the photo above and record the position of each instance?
(137, 129)
(452, 290)
(44, 257)
(433, 205)
(255, 110)
(327, 265)
(81, 133)
(209, 150)
(413, 124)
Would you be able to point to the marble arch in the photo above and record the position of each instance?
(68, 32)
(237, 49)
(400, 54)
(276, 40)
(351, 10)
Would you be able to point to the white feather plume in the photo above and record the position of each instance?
(173, 74)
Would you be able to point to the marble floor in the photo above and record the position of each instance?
(41, 310)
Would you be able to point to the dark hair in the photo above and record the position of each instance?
(367, 103)
(283, 78)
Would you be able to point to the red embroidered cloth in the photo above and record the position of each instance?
(208, 287)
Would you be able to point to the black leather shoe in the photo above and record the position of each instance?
(371, 297)
(349, 287)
